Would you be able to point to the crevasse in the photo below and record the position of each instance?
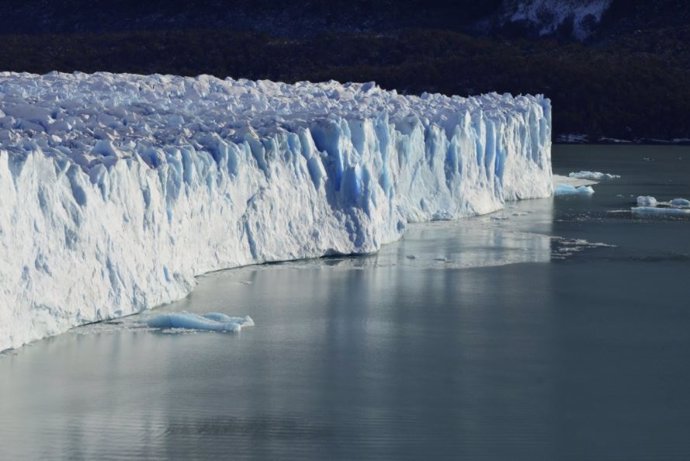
(117, 190)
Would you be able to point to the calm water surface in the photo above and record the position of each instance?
(504, 337)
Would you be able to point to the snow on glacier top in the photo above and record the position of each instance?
(114, 115)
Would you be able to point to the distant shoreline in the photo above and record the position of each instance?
(574, 139)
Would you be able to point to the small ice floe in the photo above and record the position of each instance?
(572, 181)
(563, 247)
(568, 185)
(615, 140)
(646, 201)
(660, 212)
(680, 203)
(650, 207)
(619, 213)
(213, 321)
(593, 175)
(567, 189)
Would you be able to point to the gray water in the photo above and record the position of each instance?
(503, 337)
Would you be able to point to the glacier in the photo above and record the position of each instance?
(116, 190)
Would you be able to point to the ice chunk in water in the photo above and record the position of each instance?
(680, 203)
(594, 175)
(660, 212)
(213, 321)
(567, 189)
(646, 201)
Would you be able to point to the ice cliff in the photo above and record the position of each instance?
(116, 190)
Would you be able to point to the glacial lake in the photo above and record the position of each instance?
(551, 330)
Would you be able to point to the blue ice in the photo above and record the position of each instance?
(213, 321)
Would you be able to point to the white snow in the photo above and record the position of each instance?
(116, 190)
(593, 175)
(547, 16)
(213, 321)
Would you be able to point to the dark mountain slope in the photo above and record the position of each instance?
(630, 79)
(286, 17)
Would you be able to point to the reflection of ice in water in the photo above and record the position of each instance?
(563, 248)
(454, 246)
(521, 233)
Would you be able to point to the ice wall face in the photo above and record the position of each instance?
(116, 190)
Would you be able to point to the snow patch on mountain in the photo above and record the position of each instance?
(546, 17)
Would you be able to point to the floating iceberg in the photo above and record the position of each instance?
(214, 321)
(649, 207)
(116, 190)
(569, 189)
(680, 203)
(660, 212)
(594, 175)
(646, 201)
